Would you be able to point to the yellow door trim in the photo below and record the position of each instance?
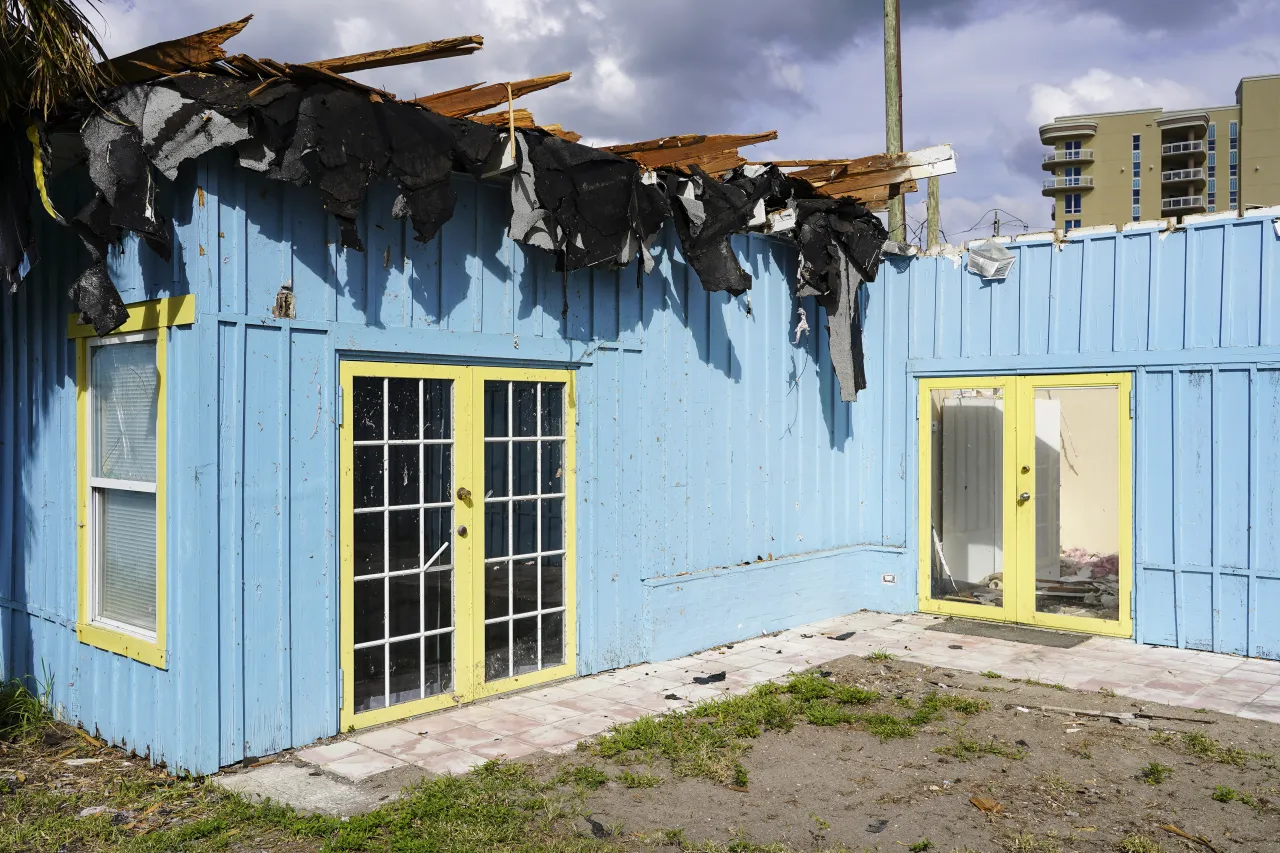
(468, 622)
(1019, 520)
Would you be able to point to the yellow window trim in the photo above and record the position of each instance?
(469, 683)
(143, 317)
(156, 316)
(1019, 527)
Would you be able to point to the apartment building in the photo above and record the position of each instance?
(1110, 168)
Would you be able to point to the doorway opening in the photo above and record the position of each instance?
(1026, 500)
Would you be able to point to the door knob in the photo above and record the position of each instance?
(464, 494)
(462, 530)
(1024, 497)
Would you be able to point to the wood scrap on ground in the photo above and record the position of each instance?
(1112, 715)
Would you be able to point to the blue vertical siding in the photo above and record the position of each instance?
(724, 489)
(1193, 313)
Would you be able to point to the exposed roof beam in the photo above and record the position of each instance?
(478, 97)
(557, 130)
(439, 49)
(524, 118)
(841, 177)
(710, 152)
(170, 57)
(876, 195)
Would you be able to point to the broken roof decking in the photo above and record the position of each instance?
(308, 124)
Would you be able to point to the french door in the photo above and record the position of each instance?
(1026, 500)
(456, 491)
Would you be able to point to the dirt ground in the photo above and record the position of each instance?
(988, 772)
(1075, 786)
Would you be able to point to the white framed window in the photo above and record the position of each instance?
(123, 397)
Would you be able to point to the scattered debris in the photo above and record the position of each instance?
(1198, 839)
(710, 679)
(81, 762)
(842, 637)
(986, 804)
(1125, 716)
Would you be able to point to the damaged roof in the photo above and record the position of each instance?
(309, 124)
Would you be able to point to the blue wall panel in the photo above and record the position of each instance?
(712, 446)
(1192, 313)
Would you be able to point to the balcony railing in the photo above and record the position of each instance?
(1069, 156)
(1066, 183)
(1181, 175)
(1192, 147)
(1184, 202)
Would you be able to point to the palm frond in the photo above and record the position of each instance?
(49, 54)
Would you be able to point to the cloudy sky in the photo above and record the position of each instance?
(979, 74)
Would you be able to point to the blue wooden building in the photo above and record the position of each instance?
(337, 488)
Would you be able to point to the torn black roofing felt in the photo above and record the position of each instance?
(597, 199)
(590, 207)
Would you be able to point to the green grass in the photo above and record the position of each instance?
(709, 739)
(23, 714)
(1223, 794)
(496, 807)
(639, 780)
(585, 775)
(881, 654)
(1034, 682)
(1155, 773)
(991, 674)
(963, 747)
(1138, 844)
(1201, 745)
(921, 846)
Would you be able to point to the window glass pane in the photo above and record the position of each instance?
(437, 605)
(402, 408)
(495, 530)
(438, 662)
(1077, 501)
(370, 612)
(367, 479)
(553, 408)
(525, 395)
(127, 561)
(402, 475)
(126, 390)
(966, 460)
(525, 652)
(526, 466)
(552, 524)
(402, 547)
(495, 409)
(495, 469)
(552, 467)
(405, 606)
(525, 523)
(366, 406)
(524, 581)
(552, 639)
(495, 591)
(370, 667)
(552, 581)
(436, 408)
(406, 672)
(368, 543)
(497, 654)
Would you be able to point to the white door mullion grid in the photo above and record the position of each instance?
(511, 527)
(537, 524)
(422, 520)
(386, 542)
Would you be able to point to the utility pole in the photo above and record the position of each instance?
(932, 212)
(893, 110)
(995, 229)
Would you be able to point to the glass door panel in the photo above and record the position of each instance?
(1075, 502)
(1025, 500)
(966, 459)
(523, 527)
(403, 537)
(456, 536)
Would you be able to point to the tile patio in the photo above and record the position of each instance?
(555, 718)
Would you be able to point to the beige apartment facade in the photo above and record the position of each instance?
(1111, 168)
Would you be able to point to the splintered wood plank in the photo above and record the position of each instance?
(169, 57)
(878, 169)
(523, 117)
(873, 195)
(311, 72)
(699, 149)
(439, 49)
(477, 97)
(557, 130)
